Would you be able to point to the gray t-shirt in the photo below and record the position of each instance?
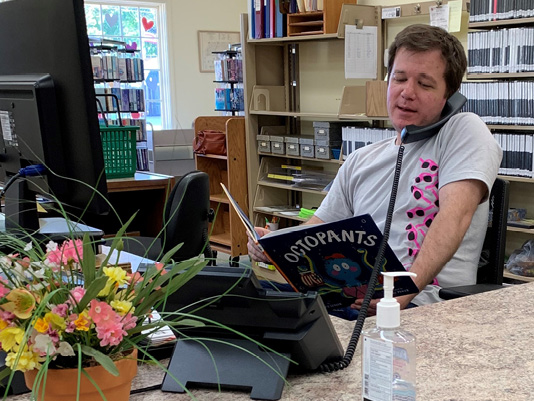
(463, 149)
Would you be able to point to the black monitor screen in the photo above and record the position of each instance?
(48, 111)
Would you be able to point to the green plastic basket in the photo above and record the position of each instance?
(119, 145)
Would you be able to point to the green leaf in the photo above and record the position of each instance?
(117, 239)
(104, 360)
(92, 291)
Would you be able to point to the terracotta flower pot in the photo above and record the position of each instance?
(61, 384)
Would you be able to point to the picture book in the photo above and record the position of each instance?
(335, 259)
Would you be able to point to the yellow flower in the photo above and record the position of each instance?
(28, 360)
(117, 274)
(41, 325)
(82, 323)
(104, 292)
(10, 337)
(22, 303)
(3, 324)
(122, 307)
(56, 321)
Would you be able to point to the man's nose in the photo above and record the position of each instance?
(408, 90)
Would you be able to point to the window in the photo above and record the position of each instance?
(141, 26)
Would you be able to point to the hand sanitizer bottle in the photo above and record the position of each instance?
(388, 353)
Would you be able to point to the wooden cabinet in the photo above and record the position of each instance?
(227, 232)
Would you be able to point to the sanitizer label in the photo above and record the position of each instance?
(377, 370)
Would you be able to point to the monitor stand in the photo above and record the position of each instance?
(232, 363)
(21, 218)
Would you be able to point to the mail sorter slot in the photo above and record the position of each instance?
(277, 145)
(264, 143)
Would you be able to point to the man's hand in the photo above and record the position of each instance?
(371, 310)
(254, 250)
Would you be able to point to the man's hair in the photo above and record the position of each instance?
(422, 38)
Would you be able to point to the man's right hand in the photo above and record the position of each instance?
(254, 250)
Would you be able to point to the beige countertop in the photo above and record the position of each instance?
(472, 348)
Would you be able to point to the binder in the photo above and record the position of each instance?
(259, 11)
(266, 18)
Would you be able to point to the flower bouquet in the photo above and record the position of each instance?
(62, 309)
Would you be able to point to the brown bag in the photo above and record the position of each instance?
(210, 142)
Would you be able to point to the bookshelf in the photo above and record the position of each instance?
(292, 82)
(227, 232)
(493, 28)
(119, 70)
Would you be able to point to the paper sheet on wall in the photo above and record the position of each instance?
(360, 52)
(455, 15)
(439, 16)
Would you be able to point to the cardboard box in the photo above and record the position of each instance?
(376, 98)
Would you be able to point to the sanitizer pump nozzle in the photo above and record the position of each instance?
(388, 309)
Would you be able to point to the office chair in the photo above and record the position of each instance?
(491, 265)
(186, 217)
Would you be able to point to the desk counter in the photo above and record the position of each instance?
(473, 348)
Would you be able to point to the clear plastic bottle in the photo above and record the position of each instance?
(388, 352)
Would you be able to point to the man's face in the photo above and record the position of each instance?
(416, 89)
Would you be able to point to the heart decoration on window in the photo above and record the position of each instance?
(147, 24)
(133, 46)
(112, 19)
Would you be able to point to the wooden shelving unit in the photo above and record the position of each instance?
(306, 79)
(227, 232)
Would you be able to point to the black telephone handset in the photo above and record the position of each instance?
(414, 133)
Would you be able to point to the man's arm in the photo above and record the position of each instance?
(458, 202)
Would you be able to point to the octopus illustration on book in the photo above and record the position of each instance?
(338, 269)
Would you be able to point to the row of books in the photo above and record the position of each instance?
(115, 66)
(130, 99)
(503, 50)
(229, 99)
(357, 137)
(228, 69)
(142, 159)
(504, 102)
(268, 19)
(518, 151)
(490, 10)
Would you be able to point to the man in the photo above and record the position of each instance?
(450, 173)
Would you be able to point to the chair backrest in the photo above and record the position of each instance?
(492, 258)
(187, 216)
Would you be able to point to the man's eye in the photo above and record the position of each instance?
(425, 85)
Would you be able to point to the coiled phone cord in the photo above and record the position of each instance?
(351, 348)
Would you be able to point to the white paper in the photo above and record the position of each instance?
(360, 52)
(439, 16)
(455, 15)
(392, 12)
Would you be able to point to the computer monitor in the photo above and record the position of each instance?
(48, 111)
(293, 324)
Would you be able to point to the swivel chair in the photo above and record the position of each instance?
(186, 218)
(491, 265)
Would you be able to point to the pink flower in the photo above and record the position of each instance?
(61, 310)
(129, 321)
(7, 316)
(110, 334)
(77, 293)
(69, 251)
(102, 314)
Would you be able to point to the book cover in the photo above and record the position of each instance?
(335, 259)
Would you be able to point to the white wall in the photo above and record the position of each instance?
(192, 92)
